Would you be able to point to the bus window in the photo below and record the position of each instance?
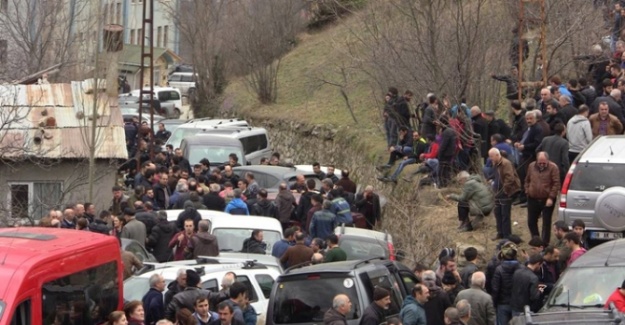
(84, 297)
(21, 314)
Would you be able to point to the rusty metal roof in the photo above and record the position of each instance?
(55, 121)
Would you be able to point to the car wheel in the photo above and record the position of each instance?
(177, 113)
(610, 209)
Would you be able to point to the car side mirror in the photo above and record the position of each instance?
(400, 255)
(248, 163)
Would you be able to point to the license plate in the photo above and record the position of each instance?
(605, 235)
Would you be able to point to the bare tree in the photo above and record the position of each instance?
(39, 34)
(260, 33)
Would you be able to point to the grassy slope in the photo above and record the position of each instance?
(303, 98)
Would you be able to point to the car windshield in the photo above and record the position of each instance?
(214, 153)
(586, 286)
(231, 239)
(361, 248)
(597, 177)
(295, 302)
(181, 133)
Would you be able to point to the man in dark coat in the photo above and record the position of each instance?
(557, 148)
(375, 313)
(254, 244)
(438, 300)
(525, 288)
(347, 184)
(446, 152)
(188, 296)
(263, 207)
(158, 240)
(285, 203)
(153, 300)
(519, 125)
(531, 139)
(480, 126)
(212, 200)
(554, 116)
(402, 109)
(203, 243)
(502, 282)
(368, 204)
(298, 253)
(567, 110)
(162, 193)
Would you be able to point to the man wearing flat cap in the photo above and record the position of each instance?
(375, 313)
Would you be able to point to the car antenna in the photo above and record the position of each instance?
(611, 152)
(568, 300)
(609, 254)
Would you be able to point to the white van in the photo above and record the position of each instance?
(232, 230)
(195, 126)
(165, 95)
(183, 81)
(255, 140)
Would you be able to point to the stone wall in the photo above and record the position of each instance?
(303, 144)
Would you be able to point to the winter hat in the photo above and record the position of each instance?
(380, 293)
(449, 278)
(509, 251)
(447, 251)
(192, 278)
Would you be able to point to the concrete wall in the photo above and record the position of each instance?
(72, 174)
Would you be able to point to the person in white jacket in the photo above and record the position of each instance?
(578, 132)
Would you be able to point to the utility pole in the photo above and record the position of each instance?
(542, 42)
(147, 58)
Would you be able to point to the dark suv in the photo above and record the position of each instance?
(303, 295)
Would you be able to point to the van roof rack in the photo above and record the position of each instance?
(246, 264)
(367, 261)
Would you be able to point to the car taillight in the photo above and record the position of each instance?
(565, 186)
(391, 251)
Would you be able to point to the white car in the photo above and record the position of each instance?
(257, 277)
(232, 230)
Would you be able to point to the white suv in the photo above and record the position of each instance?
(257, 277)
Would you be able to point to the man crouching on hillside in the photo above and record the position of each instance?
(476, 200)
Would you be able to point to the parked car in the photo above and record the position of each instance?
(140, 252)
(361, 243)
(183, 81)
(255, 140)
(129, 113)
(293, 302)
(169, 98)
(216, 148)
(593, 190)
(590, 280)
(270, 177)
(258, 278)
(195, 126)
(232, 230)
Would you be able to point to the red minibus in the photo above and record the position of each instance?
(58, 276)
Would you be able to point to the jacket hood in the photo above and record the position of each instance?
(205, 237)
(172, 285)
(238, 203)
(510, 266)
(263, 203)
(476, 178)
(578, 118)
(167, 226)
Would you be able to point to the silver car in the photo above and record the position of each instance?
(594, 189)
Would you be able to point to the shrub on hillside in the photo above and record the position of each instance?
(322, 12)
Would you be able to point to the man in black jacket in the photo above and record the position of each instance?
(263, 207)
(525, 287)
(162, 193)
(158, 240)
(212, 200)
(530, 140)
(375, 313)
(554, 116)
(480, 126)
(519, 125)
(402, 109)
(446, 152)
(501, 286)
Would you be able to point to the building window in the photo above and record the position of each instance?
(132, 36)
(165, 32)
(34, 200)
(118, 17)
(158, 36)
(4, 49)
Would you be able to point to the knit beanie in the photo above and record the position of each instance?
(380, 293)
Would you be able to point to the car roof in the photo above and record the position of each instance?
(206, 122)
(213, 139)
(309, 168)
(359, 232)
(278, 171)
(246, 222)
(233, 131)
(606, 254)
(170, 272)
(605, 149)
(336, 267)
(172, 215)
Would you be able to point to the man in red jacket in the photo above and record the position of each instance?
(618, 298)
(181, 240)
